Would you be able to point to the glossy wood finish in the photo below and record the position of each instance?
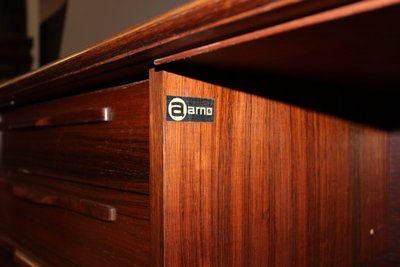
(157, 108)
(286, 49)
(83, 206)
(113, 154)
(126, 203)
(388, 261)
(58, 237)
(24, 260)
(63, 238)
(6, 243)
(12, 255)
(75, 185)
(394, 195)
(298, 169)
(130, 54)
(267, 184)
(73, 117)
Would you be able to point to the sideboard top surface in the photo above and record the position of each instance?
(130, 54)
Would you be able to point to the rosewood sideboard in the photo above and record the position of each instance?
(223, 133)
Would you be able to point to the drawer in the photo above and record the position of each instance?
(13, 255)
(96, 202)
(62, 236)
(99, 138)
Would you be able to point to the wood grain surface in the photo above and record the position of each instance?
(299, 168)
(86, 207)
(78, 194)
(129, 55)
(24, 260)
(308, 48)
(157, 95)
(69, 117)
(63, 238)
(394, 195)
(126, 203)
(112, 154)
(267, 184)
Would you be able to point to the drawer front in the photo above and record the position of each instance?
(63, 237)
(96, 202)
(99, 138)
(13, 255)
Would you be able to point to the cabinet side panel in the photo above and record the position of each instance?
(156, 167)
(372, 168)
(394, 194)
(270, 184)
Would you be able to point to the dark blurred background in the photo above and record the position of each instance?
(36, 32)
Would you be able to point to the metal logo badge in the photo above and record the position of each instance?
(190, 109)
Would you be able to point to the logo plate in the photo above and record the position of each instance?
(190, 109)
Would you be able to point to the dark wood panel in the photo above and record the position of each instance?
(22, 259)
(6, 259)
(126, 203)
(5, 243)
(72, 117)
(309, 48)
(267, 184)
(11, 255)
(63, 238)
(369, 164)
(15, 255)
(83, 206)
(157, 168)
(195, 24)
(387, 261)
(394, 195)
(113, 154)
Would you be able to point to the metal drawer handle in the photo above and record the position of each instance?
(70, 118)
(83, 206)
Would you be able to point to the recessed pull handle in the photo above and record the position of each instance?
(83, 206)
(63, 119)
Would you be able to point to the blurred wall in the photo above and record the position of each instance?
(33, 22)
(90, 21)
(48, 7)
